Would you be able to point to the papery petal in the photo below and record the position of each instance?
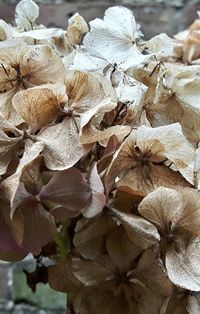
(168, 141)
(151, 272)
(39, 226)
(98, 199)
(142, 181)
(140, 231)
(26, 12)
(77, 28)
(39, 106)
(182, 263)
(68, 188)
(62, 148)
(163, 208)
(89, 94)
(121, 249)
(62, 279)
(27, 174)
(114, 37)
(90, 273)
(90, 235)
(8, 146)
(91, 135)
(41, 64)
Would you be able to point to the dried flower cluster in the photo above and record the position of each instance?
(100, 160)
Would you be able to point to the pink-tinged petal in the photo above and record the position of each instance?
(68, 188)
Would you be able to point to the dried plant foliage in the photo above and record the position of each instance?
(100, 160)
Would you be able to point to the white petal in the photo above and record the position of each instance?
(26, 12)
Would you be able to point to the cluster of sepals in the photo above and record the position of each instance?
(99, 160)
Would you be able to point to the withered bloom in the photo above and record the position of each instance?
(100, 160)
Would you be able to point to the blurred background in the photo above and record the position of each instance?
(155, 16)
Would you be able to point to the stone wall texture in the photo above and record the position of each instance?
(155, 16)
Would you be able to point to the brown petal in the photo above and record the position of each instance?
(151, 272)
(39, 226)
(168, 141)
(99, 303)
(27, 175)
(39, 106)
(62, 148)
(89, 94)
(139, 230)
(145, 179)
(61, 277)
(123, 159)
(90, 235)
(68, 188)
(90, 273)
(194, 303)
(12, 234)
(121, 249)
(91, 135)
(41, 64)
(8, 147)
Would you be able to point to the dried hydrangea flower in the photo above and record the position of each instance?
(24, 66)
(176, 215)
(140, 159)
(190, 40)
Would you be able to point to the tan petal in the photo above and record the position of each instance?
(62, 148)
(6, 107)
(41, 64)
(91, 135)
(189, 220)
(8, 145)
(89, 94)
(163, 207)
(77, 28)
(143, 180)
(197, 169)
(27, 174)
(168, 141)
(123, 159)
(182, 263)
(39, 106)
(12, 52)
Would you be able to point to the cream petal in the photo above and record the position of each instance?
(62, 148)
(163, 207)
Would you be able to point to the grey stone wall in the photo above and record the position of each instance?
(17, 298)
(155, 16)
